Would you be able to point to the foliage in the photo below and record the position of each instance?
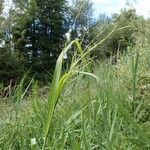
(104, 107)
(91, 120)
(1, 6)
(38, 32)
(118, 43)
(81, 20)
(10, 66)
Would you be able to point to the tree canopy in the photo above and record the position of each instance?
(34, 33)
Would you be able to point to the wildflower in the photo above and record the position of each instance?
(68, 35)
(65, 56)
(33, 141)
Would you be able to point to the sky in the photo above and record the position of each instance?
(113, 6)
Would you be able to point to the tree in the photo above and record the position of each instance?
(128, 25)
(81, 19)
(1, 22)
(1, 6)
(51, 30)
(39, 32)
(10, 66)
(128, 20)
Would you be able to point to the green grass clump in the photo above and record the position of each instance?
(84, 110)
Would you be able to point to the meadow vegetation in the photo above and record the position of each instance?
(98, 98)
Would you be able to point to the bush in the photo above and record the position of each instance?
(10, 66)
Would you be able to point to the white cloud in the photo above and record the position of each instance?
(114, 6)
(143, 7)
(100, 1)
(108, 6)
(7, 4)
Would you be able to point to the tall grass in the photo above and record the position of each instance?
(83, 110)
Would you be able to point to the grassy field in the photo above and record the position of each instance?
(107, 108)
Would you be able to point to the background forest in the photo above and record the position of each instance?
(71, 81)
(34, 33)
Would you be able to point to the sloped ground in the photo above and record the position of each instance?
(109, 112)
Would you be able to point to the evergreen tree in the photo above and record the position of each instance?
(1, 6)
(39, 32)
(10, 66)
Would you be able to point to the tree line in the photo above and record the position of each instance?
(33, 34)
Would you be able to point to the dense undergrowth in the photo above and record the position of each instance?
(106, 108)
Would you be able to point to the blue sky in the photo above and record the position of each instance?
(108, 6)
(113, 6)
